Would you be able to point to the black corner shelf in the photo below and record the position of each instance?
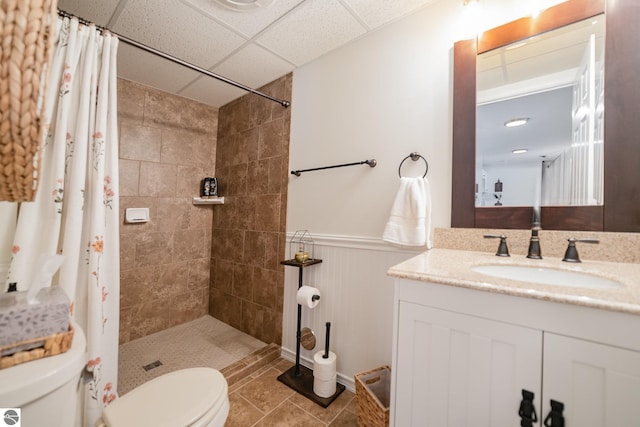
(301, 264)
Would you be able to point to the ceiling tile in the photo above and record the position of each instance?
(311, 30)
(97, 11)
(212, 92)
(174, 28)
(139, 66)
(252, 48)
(254, 66)
(377, 12)
(247, 23)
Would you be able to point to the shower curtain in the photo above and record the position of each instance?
(76, 210)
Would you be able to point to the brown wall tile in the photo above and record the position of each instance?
(228, 245)
(154, 248)
(166, 262)
(235, 119)
(242, 281)
(258, 177)
(190, 178)
(275, 174)
(129, 174)
(188, 245)
(172, 213)
(249, 230)
(271, 139)
(186, 148)
(200, 216)
(189, 259)
(224, 276)
(252, 318)
(127, 254)
(254, 245)
(268, 212)
(130, 101)
(157, 179)
(139, 142)
(265, 287)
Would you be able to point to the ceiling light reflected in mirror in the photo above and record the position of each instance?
(513, 123)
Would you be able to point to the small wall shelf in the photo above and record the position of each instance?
(301, 264)
(209, 201)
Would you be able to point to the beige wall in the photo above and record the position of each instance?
(252, 163)
(167, 145)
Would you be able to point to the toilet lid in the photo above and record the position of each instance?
(175, 399)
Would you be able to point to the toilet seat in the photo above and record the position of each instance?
(180, 398)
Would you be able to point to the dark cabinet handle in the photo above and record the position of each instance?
(555, 417)
(527, 409)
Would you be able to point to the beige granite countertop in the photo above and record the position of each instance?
(453, 267)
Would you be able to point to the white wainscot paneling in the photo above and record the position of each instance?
(356, 297)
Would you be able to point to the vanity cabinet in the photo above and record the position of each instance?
(463, 357)
(598, 384)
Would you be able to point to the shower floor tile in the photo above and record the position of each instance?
(204, 342)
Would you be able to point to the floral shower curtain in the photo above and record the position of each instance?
(76, 210)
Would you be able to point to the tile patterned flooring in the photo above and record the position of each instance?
(205, 341)
(251, 368)
(261, 400)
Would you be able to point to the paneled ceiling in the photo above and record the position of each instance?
(253, 46)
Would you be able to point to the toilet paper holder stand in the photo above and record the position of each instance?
(298, 377)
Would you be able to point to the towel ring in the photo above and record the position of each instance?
(414, 156)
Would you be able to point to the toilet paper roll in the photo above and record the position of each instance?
(324, 369)
(324, 388)
(305, 296)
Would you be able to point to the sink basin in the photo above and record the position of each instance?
(547, 276)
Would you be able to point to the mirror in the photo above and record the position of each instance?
(552, 83)
(620, 210)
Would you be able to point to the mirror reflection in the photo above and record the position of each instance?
(540, 115)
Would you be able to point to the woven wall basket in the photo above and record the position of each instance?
(26, 31)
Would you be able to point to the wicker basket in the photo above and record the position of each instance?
(51, 345)
(27, 28)
(373, 396)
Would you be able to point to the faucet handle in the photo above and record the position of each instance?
(571, 254)
(503, 250)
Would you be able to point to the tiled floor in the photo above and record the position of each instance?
(202, 342)
(261, 400)
(251, 368)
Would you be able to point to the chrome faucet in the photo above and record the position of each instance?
(534, 242)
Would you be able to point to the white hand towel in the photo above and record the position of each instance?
(410, 219)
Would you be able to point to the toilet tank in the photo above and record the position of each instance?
(47, 390)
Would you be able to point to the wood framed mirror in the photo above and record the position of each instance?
(621, 208)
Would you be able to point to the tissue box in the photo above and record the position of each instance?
(48, 346)
(25, 326)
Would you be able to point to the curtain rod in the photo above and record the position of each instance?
(176, 60)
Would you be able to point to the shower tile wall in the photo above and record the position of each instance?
(167, 144)
(247, 280)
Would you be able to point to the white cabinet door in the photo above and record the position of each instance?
(459, 370)
(598, 384)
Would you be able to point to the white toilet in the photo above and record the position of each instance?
(48, 393)
(195, 397)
